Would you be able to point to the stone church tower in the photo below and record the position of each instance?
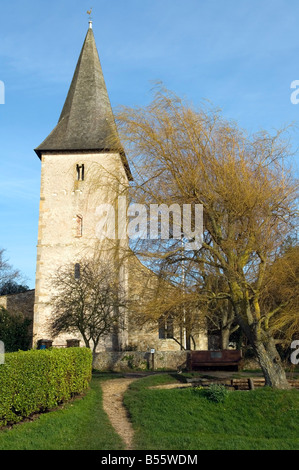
(82, 165)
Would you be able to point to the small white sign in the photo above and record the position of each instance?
(2, 352)
(153, 351)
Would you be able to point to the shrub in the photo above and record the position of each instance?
(14, 331)
(216, 393)
(36, 381)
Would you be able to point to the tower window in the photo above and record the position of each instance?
(80, 172)
(77, 271)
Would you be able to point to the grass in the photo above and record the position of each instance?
(173, 419)
(79, 425)
(183, 419)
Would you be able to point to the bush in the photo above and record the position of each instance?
(14, 331)
(216, 393)
(36, 381)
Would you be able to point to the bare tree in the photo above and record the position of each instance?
(248, 195)
(88, 299)
(8, 275)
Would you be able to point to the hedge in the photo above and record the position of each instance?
(38, 380)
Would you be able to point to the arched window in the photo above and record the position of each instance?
(77, 271)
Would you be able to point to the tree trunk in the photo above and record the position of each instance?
(94, 352)
(86, 341)
(266, 353)
(271, 365)
(188, 341)
(225, 334)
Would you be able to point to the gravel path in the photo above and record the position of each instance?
(113, 393)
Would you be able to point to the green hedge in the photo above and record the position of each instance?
(35, 381)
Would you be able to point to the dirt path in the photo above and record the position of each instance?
(113, 393)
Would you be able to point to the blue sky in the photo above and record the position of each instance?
(242, 55)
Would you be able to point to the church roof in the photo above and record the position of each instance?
(86, 122)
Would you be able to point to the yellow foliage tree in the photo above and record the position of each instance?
(248, 193)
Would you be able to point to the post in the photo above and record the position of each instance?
(153, 358)
(2, 352)
(250, 384)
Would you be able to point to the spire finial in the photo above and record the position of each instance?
(90, 18)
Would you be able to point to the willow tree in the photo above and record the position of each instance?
(281, 296)
(245, 186)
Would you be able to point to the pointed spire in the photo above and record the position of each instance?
(86, 122)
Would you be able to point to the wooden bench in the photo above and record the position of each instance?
(215, 359)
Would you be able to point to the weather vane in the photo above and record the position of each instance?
(90, 18)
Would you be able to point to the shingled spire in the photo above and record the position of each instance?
(86, 122)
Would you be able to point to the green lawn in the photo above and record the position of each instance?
(185, 420)
(166, 420)
(80, 425)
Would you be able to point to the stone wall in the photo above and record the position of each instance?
(129, 361)
(19, 304)
(137, 360)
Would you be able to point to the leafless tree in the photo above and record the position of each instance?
(8, 275)
(88, 298)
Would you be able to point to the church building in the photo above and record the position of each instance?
(84, 165)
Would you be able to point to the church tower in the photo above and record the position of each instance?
(82, 165)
